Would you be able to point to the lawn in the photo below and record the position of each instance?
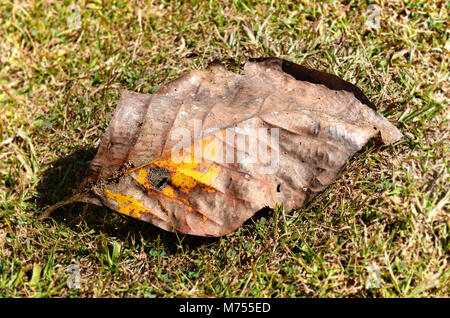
(380, 230)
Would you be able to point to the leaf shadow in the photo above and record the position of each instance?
(63, 178)
(66, 174)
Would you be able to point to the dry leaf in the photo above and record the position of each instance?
(184, 157)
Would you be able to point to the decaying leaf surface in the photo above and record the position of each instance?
(140, 170)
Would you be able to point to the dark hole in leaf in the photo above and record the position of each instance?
(158, 177)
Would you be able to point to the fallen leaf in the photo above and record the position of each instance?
(183, 158)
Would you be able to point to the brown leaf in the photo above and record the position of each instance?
(210, 119)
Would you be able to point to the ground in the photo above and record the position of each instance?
(380, 230)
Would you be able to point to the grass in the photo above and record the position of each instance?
(60, 74)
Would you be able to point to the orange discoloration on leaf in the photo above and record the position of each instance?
(187, 175)
(204, 219)
(142, 178)
(187, 171)
(128, 205)
(168, 191)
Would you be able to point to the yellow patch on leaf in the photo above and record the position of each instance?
(128, 205)
(188, 171)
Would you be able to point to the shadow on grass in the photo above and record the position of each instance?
(64, 177)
